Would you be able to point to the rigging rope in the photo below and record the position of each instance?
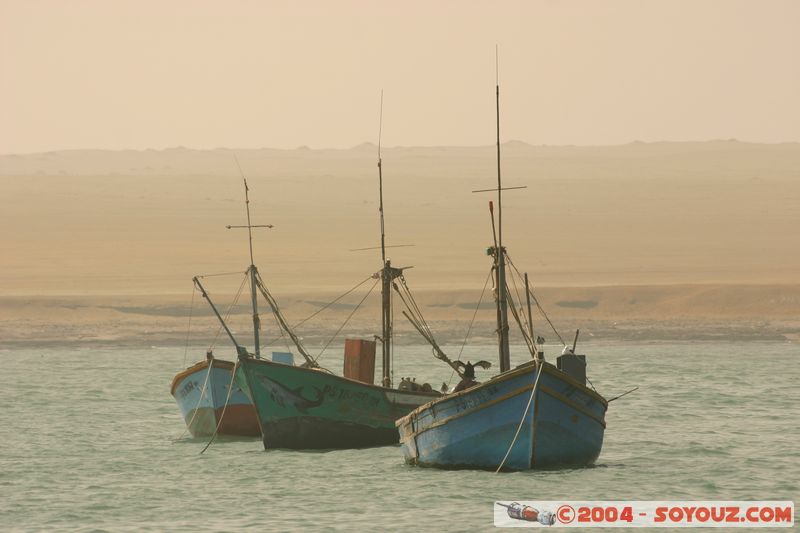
(416, 318)
(523, 326)
(278, 315)
(528, 341)
(228, 312)
(346, 321)
(538, 305)
(326, 306)
(221, 274)
(522, 421)
(391, 345)
(419, 323)
(469, 329)
(413, 301)
(318, 311)
(189, 328)
(283, 335)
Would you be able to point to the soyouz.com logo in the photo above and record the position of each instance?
(727, 514)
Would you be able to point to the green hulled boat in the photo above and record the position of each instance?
(306, 407)
(310, 408)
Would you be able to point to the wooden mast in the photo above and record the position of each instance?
(252, 271)
(500, 255)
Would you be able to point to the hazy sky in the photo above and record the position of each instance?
(154, 74)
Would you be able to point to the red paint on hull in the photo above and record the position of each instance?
(239, 420)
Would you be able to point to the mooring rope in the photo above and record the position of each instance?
(539, 368)
(224, 407)
(199, 401)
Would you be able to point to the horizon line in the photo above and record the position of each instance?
(369, 144)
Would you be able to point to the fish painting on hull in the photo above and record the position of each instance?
(286, 397)
(340, 413)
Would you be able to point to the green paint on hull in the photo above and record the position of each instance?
(301, 408)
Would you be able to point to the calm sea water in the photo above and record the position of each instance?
(88, 442)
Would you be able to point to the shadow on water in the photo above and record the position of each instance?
(562, 469)
(220, 439)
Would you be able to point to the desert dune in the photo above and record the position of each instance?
(644, 232)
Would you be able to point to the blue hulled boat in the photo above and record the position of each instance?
(532, 416)
(201, 392)
(563, 423)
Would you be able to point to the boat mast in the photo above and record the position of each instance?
(500, 255)
(387, 276)
(252, 271)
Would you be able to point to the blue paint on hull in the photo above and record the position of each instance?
(474, 428)
(190, 397)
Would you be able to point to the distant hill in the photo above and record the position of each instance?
(269, 161)
(640, 214)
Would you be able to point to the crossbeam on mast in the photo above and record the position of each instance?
(380, 247)
(251, 226)
(501, 189)
(252, 269)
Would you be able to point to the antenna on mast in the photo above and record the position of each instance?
(502, 304)
(380, 183)
(249, 226)
(383, 246)
(499, 251)
(387, 275)
(497, 65)
(499, 185)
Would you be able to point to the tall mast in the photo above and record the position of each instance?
(380, 184)
(252, 268)
(500, 257)
(386, 277)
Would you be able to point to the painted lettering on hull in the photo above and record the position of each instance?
(470, 401)
(186, 389)
(361, 397)
(286, 397)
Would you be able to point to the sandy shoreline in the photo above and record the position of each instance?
(633, 313)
